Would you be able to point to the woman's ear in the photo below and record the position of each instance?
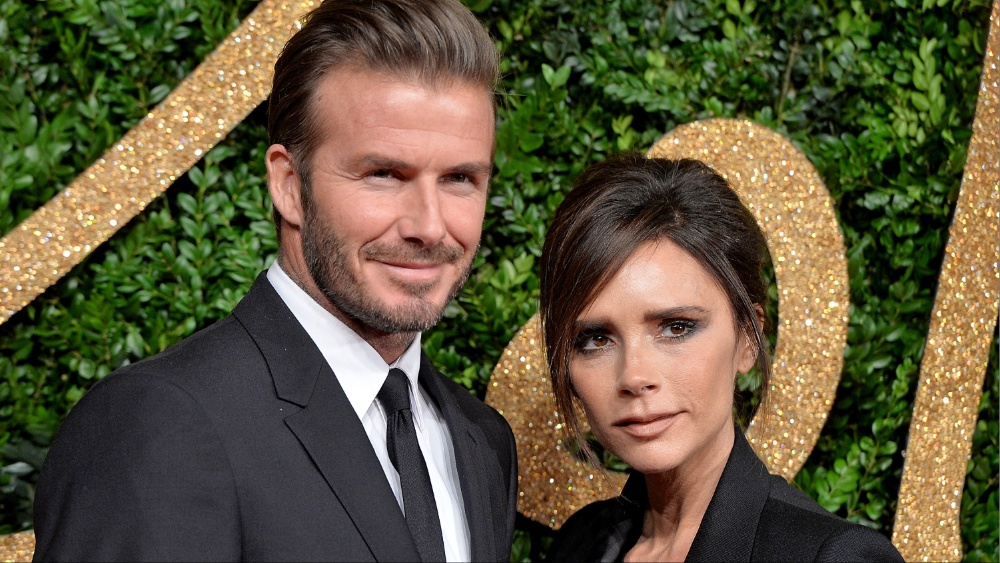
(285, 184)
(748, 351)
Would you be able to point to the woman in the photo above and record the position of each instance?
(652, 304)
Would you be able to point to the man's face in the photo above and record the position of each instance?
(398, 192)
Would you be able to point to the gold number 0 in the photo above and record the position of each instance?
(789, 200)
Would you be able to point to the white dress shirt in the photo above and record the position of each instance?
(361, 372)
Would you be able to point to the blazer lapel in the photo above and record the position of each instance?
(476, 471)
(729, 527)
(477, 466)
(331, 432)
(326, 426)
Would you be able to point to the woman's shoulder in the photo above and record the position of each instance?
(793, 527)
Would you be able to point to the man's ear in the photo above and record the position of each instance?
(285, 184)
(748, 347)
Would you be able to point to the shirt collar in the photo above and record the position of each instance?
(360, 370)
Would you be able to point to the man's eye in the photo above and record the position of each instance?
(459, 178)
(381, 174)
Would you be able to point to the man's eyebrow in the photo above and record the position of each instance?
(467, 168)
(474, 169)
(377, 161)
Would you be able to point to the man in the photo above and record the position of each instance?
(307, 425)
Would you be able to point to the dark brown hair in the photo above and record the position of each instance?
(433, 42)
(617, 205)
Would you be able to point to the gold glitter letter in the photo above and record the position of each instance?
(957, 350)
(232, 81)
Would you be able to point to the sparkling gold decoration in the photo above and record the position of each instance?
(17, 547)
(199, 113)
(773, 177)
(961, 330)
(787, 196)
(552, 483)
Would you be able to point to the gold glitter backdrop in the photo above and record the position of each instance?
(959, 337)
(17, 547)
(235, 78)
(232, 81)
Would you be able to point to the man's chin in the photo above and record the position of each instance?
(417, 312)
(404, 314)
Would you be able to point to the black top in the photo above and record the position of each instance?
(753, 516)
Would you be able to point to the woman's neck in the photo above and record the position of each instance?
(678, 500)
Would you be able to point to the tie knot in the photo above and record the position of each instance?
(395, 392)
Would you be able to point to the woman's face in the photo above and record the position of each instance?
(655, 361)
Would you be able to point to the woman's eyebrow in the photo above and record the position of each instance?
(589, 325)
(671, 312)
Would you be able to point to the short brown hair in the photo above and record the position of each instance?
(433, 42)
(617, 205)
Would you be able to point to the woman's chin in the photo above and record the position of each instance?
(649, 462)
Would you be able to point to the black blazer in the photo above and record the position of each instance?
(753, 516)
(239, 444)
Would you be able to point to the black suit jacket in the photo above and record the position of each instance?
(753, 516)
(239, 443)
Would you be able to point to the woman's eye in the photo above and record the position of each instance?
(597, 341)
(591, 342)
(677, 329)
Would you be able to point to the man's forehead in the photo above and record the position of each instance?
(434, 82)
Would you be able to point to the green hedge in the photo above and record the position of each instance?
(880, 97)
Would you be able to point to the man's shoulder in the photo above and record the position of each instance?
(222, 343)
(207, 358)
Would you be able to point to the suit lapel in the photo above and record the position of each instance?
(327, 426)
(331, 432)
(477, 466)
(729, 527)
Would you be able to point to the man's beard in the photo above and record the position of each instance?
(326, 257)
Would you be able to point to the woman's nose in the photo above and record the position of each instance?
(638, 373)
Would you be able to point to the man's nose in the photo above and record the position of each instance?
(422, 216)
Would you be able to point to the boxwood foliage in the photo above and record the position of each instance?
(880, 95)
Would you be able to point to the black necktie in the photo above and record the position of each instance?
(404, 452)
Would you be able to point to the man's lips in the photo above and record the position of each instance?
(412, 265)
(646, 426)
(414, 272)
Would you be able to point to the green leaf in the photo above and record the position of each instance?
(920, 101)
(529, 142)
(729, 29)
